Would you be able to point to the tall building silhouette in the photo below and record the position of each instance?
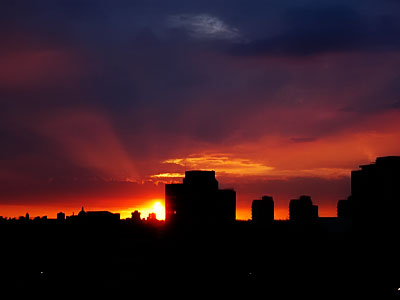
(198, 201)
(344, 208)
(262, 211)
(176, 208)
(302, 210)
(226, 206)
(375, 190)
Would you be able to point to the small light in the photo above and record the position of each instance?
(41, 272)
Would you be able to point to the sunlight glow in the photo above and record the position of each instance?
(155, 205)
(159, 209)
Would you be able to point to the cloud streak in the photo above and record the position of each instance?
(204, 26)
(222, 163)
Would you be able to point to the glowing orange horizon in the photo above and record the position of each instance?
(155, 205)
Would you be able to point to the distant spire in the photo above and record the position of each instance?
(82, 212)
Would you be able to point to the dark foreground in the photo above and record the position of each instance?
(243, 261)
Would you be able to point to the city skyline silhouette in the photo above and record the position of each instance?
(192, 222)
(211, 149)
(202, 184)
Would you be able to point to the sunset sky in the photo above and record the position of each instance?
(103, 102)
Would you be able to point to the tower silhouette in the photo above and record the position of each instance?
(302, 210)
(262, 211)
(345, 208)
(198, 201)
(375, 193)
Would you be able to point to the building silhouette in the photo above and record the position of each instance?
(102, 217)
(136, 217)
(375, 190)
(176, 208)
(225, 206)
(105, 218)
(82, 213)
(302, 210)
(262, 211)
(152, 217)
(344, 208)
(199, 201)
(61, 217)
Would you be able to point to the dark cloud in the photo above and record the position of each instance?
(312, 30)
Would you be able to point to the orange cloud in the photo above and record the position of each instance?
(168, 175)
(221, 163)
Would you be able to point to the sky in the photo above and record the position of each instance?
(103, 102)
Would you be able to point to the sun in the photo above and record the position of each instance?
(159, 209)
